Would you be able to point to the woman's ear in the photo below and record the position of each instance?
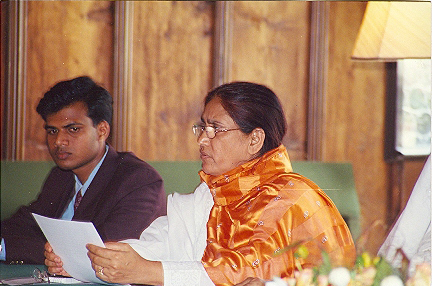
(104, 130)
(257, 137)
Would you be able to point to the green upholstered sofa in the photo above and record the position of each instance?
(21, 182)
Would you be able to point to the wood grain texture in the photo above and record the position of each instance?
(4, 6)
(271, 46)
(355, 111)
(172, 64)
(172, 70)
(65, 39)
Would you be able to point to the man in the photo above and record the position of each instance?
(411, 234)
(116, 191)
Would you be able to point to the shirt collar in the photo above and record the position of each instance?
(83, 187)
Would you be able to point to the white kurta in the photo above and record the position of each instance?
(411, 233)
(178, 239)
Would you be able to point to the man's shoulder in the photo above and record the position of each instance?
(129, 157)
(129, 163)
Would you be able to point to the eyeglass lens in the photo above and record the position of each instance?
(199, 129)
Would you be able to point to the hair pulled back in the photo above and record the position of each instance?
(252, 106)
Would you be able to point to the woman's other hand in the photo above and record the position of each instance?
(120, 263)
(53, 262)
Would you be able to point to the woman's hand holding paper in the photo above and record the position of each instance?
(120, 263)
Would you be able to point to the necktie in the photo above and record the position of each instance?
(78, 199)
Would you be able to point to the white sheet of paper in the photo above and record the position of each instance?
(68, 240)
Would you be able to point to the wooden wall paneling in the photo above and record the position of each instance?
(222, 42)
(159, 59)
(172, 72)
(65, 39)
(122, 82)
(14, 88)
(355, 115)
(271, 46)
(394, 190)
(4, 11)
(317, 79)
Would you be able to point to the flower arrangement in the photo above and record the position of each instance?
(367, 271)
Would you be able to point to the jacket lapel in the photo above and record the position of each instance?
(97, 189)
(65, 196)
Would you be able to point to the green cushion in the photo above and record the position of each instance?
(179, 176)
(337, 181)
(21, 182)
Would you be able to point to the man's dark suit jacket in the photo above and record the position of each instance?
(125, 196)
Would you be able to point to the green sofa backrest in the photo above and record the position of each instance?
(21, 182)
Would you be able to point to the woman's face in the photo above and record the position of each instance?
(226, 150)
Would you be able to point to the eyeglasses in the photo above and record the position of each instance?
(210, 130)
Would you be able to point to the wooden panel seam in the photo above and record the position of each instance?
(223, 42)
(17, 47)
(317, 79)
(122, 82)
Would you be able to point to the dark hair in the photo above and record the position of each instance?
(98, 100)
(251, 105)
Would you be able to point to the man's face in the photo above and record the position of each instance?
(73, 141)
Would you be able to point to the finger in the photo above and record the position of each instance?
(98, 260)
(100, 272)
(64, 273)
(94, 251)
(48, 247)
(53, 258)
(51, 263)
(102, 277)
(92, 248)
(96, 267)
(99, 251)
(108, 253)
(56, 270)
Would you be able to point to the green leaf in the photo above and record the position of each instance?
(326, 266)
(384, 269)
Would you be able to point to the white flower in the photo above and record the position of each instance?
(339, 276)
(391, 280)
(276, 282)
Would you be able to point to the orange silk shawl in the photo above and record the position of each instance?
(261, 209)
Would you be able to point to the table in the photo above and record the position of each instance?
(26, 270)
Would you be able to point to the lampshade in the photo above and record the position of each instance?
(394, 30)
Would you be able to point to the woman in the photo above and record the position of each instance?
(247, 216)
